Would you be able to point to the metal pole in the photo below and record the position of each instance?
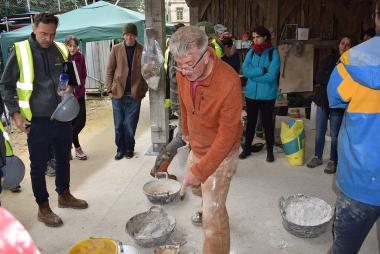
(117, 2)
(6, 24)
(59, 5)
(85, 1)
(28, 3)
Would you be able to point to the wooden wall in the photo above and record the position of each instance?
(328, 20)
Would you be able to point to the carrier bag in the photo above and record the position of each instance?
(151, 60)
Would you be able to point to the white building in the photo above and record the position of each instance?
(177, 11)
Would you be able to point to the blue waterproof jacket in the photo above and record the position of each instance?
(355, 85)
(262, 74)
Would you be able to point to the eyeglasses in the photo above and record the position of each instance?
(190, 68)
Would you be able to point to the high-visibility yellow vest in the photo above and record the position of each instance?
(8, 147)
(166, 55)
(218, 49)
(25, 81)
(166, 59)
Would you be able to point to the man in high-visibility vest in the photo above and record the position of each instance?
(30, 84)
(209, 29)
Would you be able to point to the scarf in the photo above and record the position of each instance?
(259, 49)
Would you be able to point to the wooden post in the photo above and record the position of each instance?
(272, 19)
(194, 15)
(159, 117)
(194, 11)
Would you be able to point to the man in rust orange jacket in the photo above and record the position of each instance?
(211, 103)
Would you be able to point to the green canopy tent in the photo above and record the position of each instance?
(94, 22)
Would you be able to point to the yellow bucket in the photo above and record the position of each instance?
(95, 246)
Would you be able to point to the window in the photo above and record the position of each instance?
(179, 11)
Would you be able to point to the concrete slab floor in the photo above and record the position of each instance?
(114, 192)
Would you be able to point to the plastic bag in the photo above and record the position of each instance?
(293, 141)
(151, 60)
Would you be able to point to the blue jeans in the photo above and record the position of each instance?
(335, 122)
(126, 113)
(353, 221)
(45, 135)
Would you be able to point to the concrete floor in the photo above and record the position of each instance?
(114, 192)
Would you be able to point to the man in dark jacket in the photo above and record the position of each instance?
(38, 76)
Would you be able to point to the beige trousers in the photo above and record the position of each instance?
(215, 221)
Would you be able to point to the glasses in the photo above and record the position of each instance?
(190, 68)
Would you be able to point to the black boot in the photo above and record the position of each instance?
(270, 156)
(245, 153)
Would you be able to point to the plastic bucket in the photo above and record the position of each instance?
(95, 246)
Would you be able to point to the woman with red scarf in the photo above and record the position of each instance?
(261, 67)
(79, 122)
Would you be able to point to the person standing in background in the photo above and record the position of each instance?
(127, 88)
(79, 122)
(262, 68)
(231, 55)
(324, 113)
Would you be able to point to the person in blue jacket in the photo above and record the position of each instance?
(355, 86)
(261, 67)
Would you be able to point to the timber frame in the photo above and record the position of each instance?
(328, 20)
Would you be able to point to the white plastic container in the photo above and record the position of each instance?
(302, 34)
(128, 249)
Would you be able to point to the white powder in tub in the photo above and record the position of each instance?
(308, 211)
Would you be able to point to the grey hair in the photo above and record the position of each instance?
(71, 38)
(183, 41)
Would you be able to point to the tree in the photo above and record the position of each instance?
(135, 5)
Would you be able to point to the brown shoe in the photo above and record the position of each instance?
(46, 215)
(66, 200)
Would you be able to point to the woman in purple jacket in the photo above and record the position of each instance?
(72, 44)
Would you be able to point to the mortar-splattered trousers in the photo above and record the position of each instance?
(215, 221)
(353, 221)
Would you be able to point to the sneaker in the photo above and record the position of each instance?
(330, 168)
(244, 154)
(50, 170)
(196, 219)
(259, 134)
(80, 154)
(314, 162)
(173, 117)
